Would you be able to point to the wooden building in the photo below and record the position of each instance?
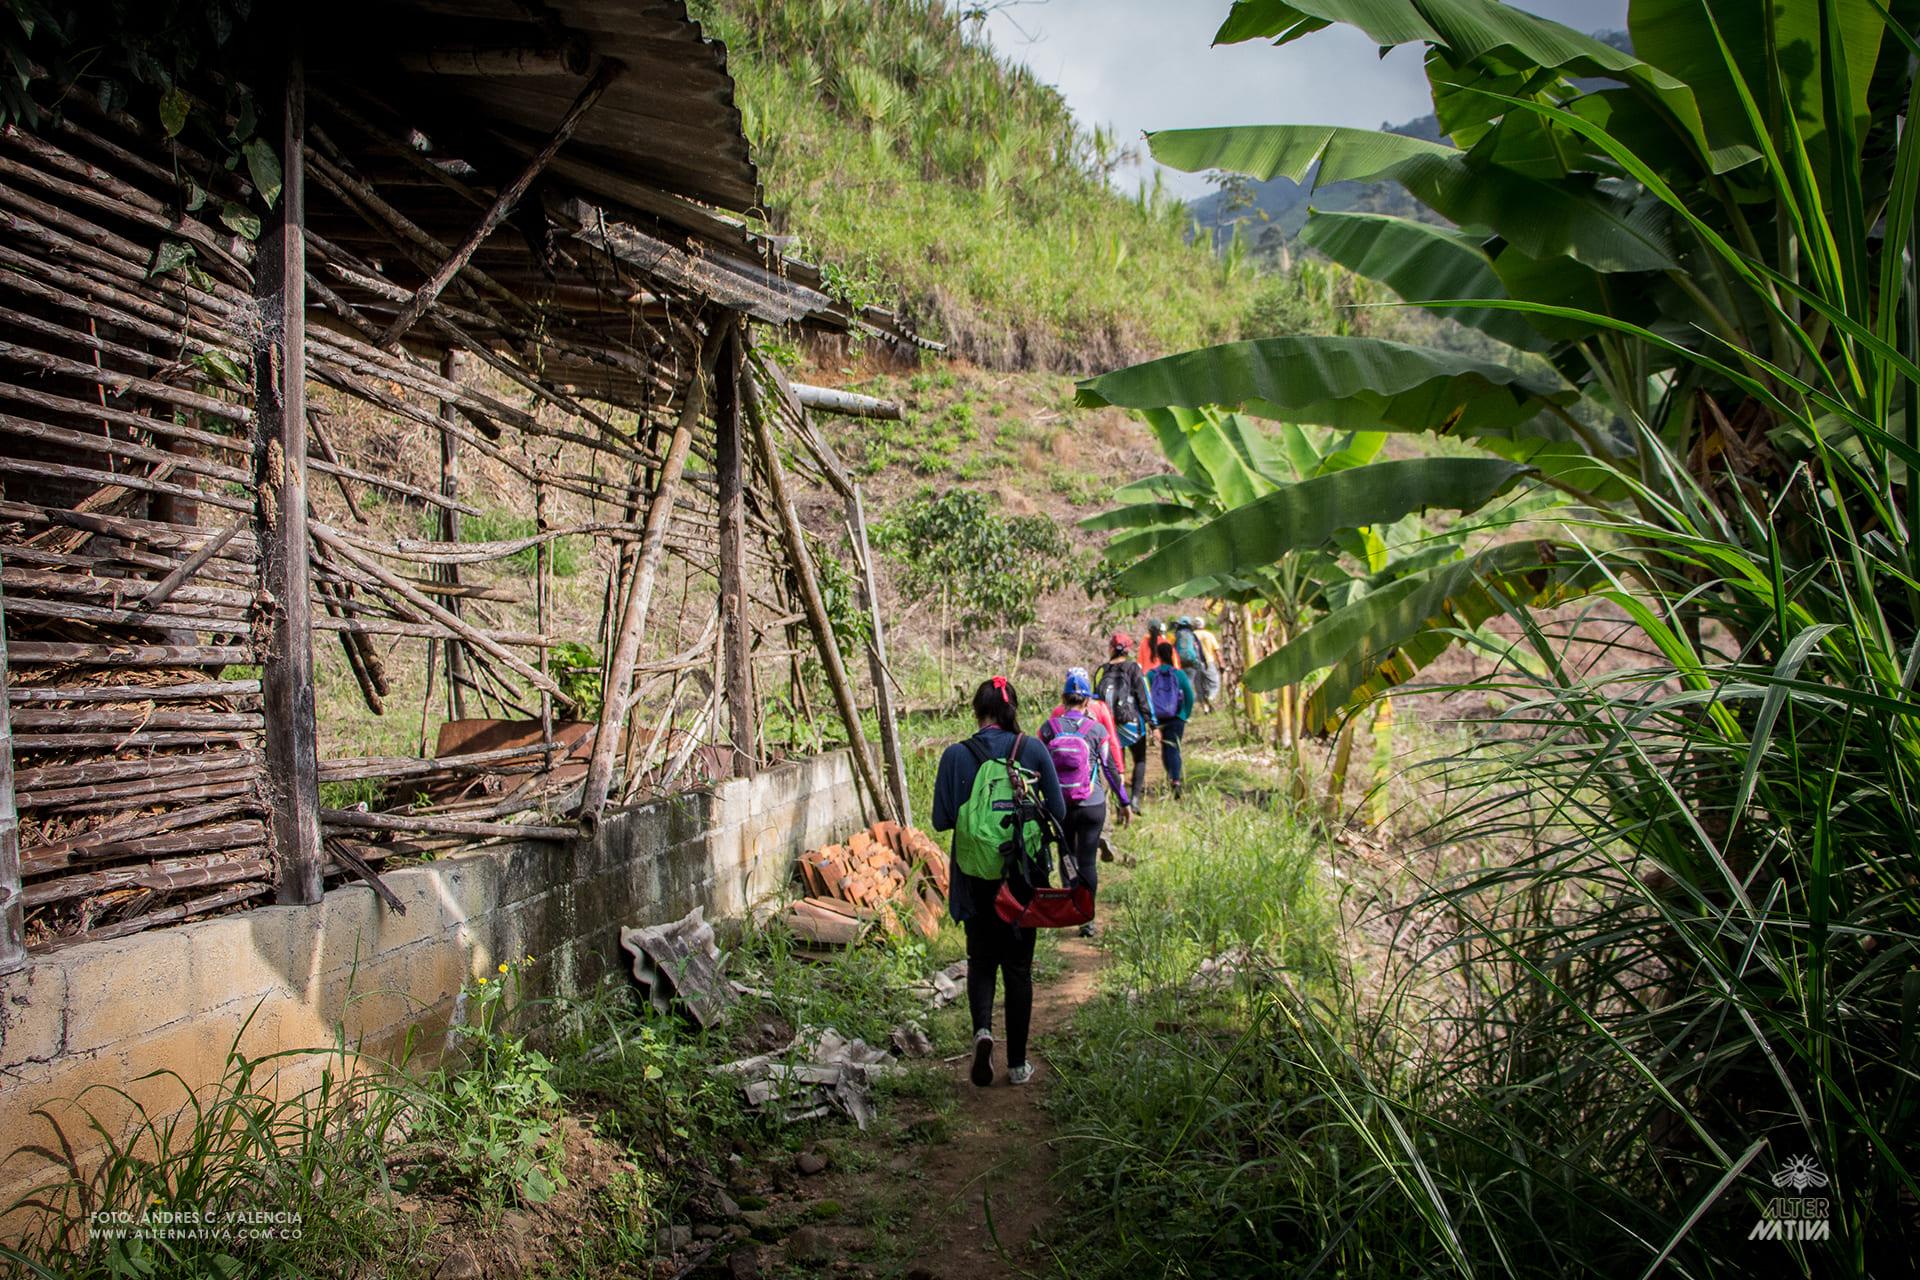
(518, 238)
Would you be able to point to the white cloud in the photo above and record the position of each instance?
(1149, 64)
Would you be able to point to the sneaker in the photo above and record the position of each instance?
(1106, 850)
(1176, 791)
(982, 1058)
(1020, 1074)
(1087, 930)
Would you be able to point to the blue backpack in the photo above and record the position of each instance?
(1163, 685)
(1187, 645)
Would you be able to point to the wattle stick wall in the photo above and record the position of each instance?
(109, 1013)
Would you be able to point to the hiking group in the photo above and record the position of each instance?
(1015, 803)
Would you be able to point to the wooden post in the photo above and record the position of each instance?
(816, 609)
(877, 663)
(457, 677)
(646, 566)
(736, 637)
(13, 925)
(280, 473)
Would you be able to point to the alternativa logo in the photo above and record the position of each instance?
(1795, 1217)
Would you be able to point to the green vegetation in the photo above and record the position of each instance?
(984, 569)
(379, 1169)
(1685, 955)
(946, 181)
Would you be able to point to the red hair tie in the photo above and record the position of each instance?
(1000, 683)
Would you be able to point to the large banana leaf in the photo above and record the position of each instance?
(1572, 218)
(1420, 262)
(1160, 488)
(1236, 480)
(1679, 35)
(1488, 33)
(1140, 515)
(1386, 638)
(1306, 515)
(1360, 384)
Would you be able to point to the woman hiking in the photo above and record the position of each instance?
(1170, 694)
(1122, 686)
(1081, 750)
(977, 793)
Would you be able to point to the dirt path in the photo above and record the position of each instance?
(923, 1207)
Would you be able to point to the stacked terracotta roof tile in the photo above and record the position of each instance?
(888, 875)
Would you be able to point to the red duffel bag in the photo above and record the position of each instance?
(1046, 908)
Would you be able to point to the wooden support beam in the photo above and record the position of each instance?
(736, 634)
(877, 664)
(457, 677)
(13, 925)
(847, 404)
(801, 562)
(618, 685)
(280, 471)
(503, 204)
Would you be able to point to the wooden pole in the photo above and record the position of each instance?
(736, 637)
(280, 471)
(503, 205)
(810, 597)
(646, 566)
(13, 927)
(457, 677)
(877, 663)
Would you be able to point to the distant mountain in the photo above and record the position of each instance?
(1274, 211)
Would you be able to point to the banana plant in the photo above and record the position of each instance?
(1618, 220)
(1289, 524)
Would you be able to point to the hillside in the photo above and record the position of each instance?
(940, 179)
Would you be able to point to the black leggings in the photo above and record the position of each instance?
(1085, 822)
(1138, 782)
(996, 947)
(1172, 729)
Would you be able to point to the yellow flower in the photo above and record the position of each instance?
(483, 979)
(503, 968)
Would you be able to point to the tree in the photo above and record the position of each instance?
(984, 568)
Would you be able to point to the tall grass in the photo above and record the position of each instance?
(1181, 1128)
(946, 180)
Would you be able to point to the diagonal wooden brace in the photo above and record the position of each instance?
(503, 204)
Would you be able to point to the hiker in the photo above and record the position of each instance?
(1101, 714)
(1082, 751)
(1121, 686)
(1170, 694)
(1209, 659)
(1150, 644)
(977, 791)
(1189, 652)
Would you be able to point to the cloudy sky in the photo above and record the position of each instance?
(1150, 64)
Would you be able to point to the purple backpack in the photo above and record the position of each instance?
(1072, 756)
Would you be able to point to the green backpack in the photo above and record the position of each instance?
(999, 821)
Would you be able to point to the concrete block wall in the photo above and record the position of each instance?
(280, 978)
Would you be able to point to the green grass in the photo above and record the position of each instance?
(1179, 1131)
(944, 180)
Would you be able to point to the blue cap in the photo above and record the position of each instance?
(1185, 621)
(1079, 684)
